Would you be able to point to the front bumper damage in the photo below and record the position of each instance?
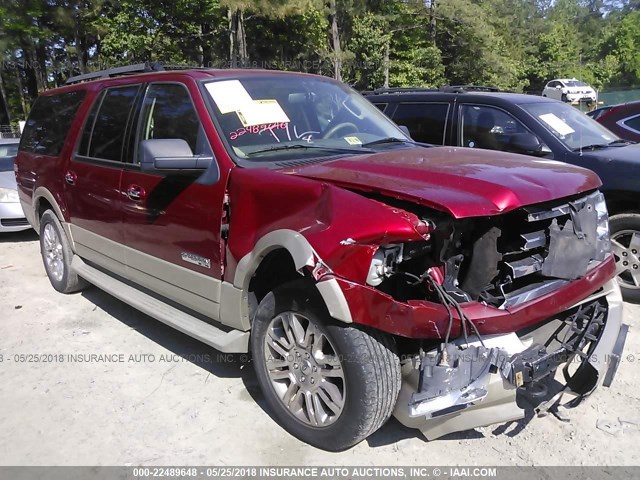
(475, 384)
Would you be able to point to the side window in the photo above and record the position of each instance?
(104, 132)
(633, 123)
(426, 122)
(381, 106)
(488, 127)
(49, 122)
(168, 113)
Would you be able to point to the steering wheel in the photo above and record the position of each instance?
(332, 131)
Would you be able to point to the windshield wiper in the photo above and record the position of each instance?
(595, 146)
(297, 146)
(382, 141)
(620, 142)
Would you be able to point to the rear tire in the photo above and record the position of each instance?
(351, 376)
(625, 241)
(57, 254)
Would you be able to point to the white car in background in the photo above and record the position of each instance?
(12, 218)
(569, 90)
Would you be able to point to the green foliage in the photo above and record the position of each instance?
(514, 44)
(367, 45)
(624, 44)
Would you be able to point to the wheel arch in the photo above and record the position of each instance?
(43, 200)
(619, 202)
(260, 270)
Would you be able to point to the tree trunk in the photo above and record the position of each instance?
(242, 40)
(232, 39)
(41, 58)
(387, 47)
(30, 73)
(432, 22)
(80, 41)
(23, 101)
(5, 100)
(205, 47)
(335, 40)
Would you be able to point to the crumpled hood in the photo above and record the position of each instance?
(464, 182)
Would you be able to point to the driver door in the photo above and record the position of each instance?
(172, 223)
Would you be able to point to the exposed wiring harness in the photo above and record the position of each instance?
(449, 304)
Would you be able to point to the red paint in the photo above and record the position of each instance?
(463, 182)
(421, 319)
(620, 112)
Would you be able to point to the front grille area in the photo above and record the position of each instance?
(535, 250)
(14, 222)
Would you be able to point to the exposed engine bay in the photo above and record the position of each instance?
(501, 261)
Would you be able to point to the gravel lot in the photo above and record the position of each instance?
(146, 404)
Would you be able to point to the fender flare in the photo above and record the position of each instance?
(43, 193)
(303, 255)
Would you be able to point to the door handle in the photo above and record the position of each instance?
(70, 177)
(135, 192)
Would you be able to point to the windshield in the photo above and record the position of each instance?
(277, 117)
(7, 156)
(569, 125)
(575, 83)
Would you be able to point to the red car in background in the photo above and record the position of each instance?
(622, 119)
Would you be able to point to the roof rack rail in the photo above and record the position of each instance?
(468, 88)
(114, 72)
(129, 70)
(400, 90)
(444, 88)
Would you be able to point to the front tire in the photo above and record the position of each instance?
(330, 385)
(625, 241)
(57, 254)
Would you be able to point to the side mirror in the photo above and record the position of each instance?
(558, 87)
(405, 130)
(171, 154)
(528, 144)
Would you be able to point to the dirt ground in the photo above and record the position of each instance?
(152, 396)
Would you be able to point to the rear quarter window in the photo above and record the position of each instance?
(105, 130)
(49, 121)
(426, 122)
(633, 123)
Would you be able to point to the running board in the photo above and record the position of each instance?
(233, 341)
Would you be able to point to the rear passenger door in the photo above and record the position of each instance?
(427, 121)
(172, 220)
(92, 178)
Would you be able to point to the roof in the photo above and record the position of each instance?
(78, 83)
(422, 94)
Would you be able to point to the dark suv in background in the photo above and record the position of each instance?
(484, 117)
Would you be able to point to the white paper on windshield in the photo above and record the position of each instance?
(260, 112)
(556, 123)
(229, 95)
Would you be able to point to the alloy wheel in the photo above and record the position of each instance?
(53, 255)
(626, 247)
(304, 370)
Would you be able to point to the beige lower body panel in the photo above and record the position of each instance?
(193, 290)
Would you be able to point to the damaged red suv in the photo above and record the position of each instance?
(284, 215)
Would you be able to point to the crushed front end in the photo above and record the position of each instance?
(487, 307)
